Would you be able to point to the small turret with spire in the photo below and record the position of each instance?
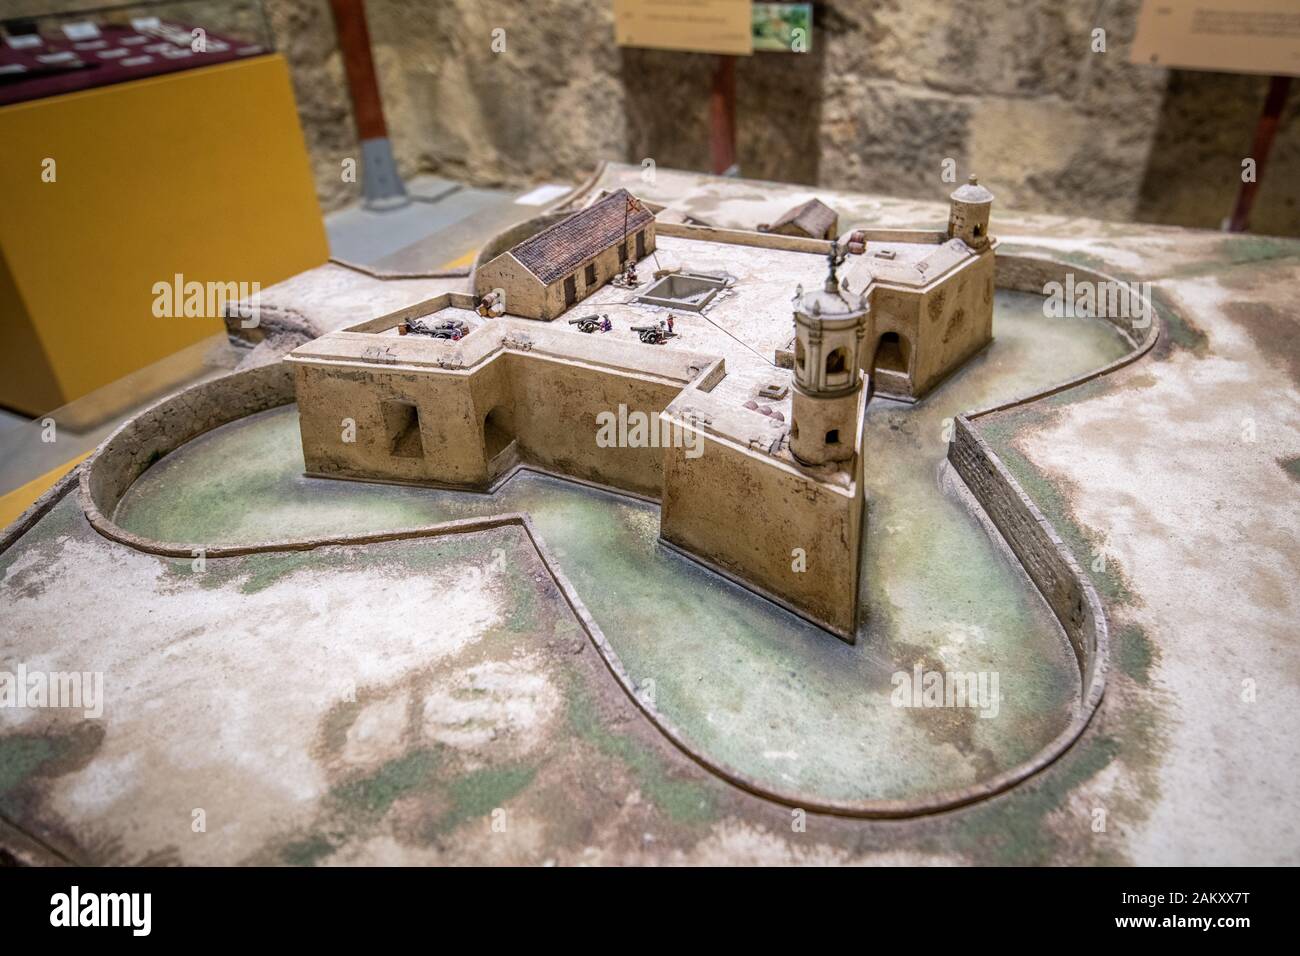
(829, 325)
(968, 216)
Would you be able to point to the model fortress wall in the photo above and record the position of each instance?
(768, 494)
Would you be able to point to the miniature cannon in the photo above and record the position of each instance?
(453, 329)
(653, 334)
(592, 323)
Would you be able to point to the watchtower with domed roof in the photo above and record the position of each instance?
(830, 324)
(968, 217)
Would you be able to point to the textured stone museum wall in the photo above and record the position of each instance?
(1205, 126)
(1005, 87)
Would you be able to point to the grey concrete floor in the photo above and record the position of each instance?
(442, 225)
(10, 419)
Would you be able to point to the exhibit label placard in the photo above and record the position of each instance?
(692, 26)
(1227, 35)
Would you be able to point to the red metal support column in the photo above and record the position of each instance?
(722, 117)
(380, 185)
(1265, 130)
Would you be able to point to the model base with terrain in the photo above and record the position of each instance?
(968, 568)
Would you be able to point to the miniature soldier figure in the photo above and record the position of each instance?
(670, 321)
(605, 324)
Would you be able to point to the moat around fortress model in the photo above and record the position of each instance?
(758, 466)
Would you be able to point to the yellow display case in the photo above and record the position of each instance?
(107, 193)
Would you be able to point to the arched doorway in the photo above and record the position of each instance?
(892, 354)
(498, 432)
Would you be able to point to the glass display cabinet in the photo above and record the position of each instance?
(54, 48)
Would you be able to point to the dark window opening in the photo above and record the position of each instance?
(570, 291)
(591, 273)
(836, 361)
(640, 244)
(402, 424)
(978, 230)
(622, 253)
(833, 436)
